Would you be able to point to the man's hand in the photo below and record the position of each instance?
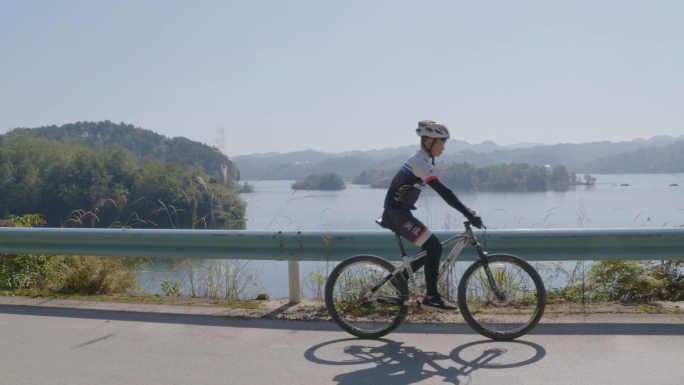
(476, 221)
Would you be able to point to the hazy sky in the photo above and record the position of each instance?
(342, 75)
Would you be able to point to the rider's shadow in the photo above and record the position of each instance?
(399, 364)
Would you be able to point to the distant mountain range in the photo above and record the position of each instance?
(574, 157)
(270, 158)
(638, 155)
(646, 160)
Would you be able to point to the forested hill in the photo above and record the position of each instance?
(642, 160)
(70, 184)
(141, 143)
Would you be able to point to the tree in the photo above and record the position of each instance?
(73, 185)
(323, 181)
(559, 174)
(142, 144)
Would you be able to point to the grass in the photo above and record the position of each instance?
(132, 298)
(242, 305)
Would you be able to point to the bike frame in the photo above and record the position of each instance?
(460, 242)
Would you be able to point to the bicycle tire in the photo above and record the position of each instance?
(364, 318)
(506, 319)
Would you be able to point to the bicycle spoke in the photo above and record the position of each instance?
(517, 308)
(363, 312)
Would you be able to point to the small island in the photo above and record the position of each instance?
(322, 181)
(466, 175)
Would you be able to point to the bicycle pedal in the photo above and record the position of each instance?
(417, 304)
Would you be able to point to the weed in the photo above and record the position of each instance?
(170, 288)
(315, 282)
(229, 279)
(581, 214)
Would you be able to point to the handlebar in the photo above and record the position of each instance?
(467, 225)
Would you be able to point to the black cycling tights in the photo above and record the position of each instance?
(431, 262)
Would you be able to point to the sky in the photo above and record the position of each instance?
(347, 75)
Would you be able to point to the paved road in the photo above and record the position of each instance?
(43, 344)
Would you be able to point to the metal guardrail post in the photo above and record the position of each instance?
(295, 290)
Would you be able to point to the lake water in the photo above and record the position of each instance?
(648, 201)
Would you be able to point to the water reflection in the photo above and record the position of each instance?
(555, 187)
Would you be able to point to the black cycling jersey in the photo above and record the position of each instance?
(409, 182)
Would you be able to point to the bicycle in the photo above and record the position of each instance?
(500, 296)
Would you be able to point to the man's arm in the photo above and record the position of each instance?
(450, 197)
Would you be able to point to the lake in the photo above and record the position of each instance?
(648, 201)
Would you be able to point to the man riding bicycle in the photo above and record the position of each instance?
(402, 196)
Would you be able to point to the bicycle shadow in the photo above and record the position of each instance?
(399, 364)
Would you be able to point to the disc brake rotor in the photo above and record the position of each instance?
(494, 300)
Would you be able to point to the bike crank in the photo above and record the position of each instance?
(417, 304)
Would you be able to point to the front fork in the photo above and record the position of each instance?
(490, 277)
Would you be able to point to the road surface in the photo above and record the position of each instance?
(42, 343)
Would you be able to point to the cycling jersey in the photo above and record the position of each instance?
(409, 182)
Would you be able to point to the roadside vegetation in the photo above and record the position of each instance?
(62, 273)
(601, 281)
(76, 276)
(236, 283)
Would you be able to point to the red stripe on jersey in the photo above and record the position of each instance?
(430, 178)
(421, 234)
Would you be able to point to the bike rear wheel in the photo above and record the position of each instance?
(355, 308)
(510, 316)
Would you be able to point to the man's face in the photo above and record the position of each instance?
(437, 148)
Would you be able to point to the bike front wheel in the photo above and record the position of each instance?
(355, 307)
(518, 307)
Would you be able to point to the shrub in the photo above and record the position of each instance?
(95, 275)
(625, 281)
(67, 273)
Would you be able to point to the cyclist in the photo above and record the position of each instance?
(402, 196)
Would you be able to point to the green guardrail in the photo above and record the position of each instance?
(294, 246)
(534, 245)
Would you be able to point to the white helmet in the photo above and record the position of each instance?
(432, 129)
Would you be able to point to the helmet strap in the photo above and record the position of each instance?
(430, 151)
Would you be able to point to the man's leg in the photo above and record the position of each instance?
(432, 299)
(415, 231)
(434, 254)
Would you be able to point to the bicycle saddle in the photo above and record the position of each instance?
(386, 225)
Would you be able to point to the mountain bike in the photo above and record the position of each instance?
(500, 296)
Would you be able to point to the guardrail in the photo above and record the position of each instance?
(294, 246)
